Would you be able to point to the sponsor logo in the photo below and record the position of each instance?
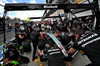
(83, 36)
(91, 41)
(55, 53)
(47, 6)
(53, 50)
(86, 39)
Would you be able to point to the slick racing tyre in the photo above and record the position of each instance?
(41, 44)
(26, 45)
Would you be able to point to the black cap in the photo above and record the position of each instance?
(16, 23)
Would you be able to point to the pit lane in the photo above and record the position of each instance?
(79, 59)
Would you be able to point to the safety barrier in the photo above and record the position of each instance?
(6, 31)
(1, 47)
(1, 52)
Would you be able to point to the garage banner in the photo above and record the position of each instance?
(76, 1)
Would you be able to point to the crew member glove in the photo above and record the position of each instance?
(21, 47)
(15, 62)
(71, 44)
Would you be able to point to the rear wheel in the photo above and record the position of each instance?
(26, 45)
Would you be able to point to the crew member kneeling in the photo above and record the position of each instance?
(89, 43)
(54, 55)
(12, 57)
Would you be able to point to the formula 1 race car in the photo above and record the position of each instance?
(59, 39)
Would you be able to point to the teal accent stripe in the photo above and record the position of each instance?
(52, 39)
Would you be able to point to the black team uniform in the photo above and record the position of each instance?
(89, 43)
(14, 55)
(35, 39)
(54, 55)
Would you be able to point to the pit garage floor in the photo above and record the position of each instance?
(79, 60)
